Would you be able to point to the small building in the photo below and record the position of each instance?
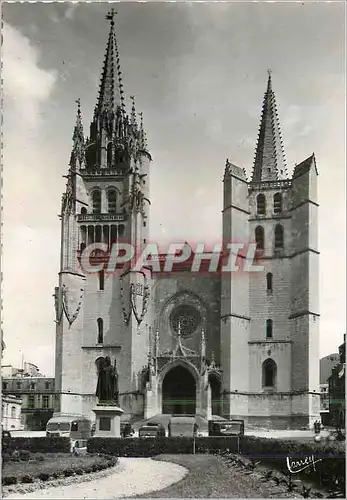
(37, 394)
(337, 396)
(326, 366)
(11, 413)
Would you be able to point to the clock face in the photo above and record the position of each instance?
(186, 318)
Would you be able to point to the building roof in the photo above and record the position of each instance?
(326, 365)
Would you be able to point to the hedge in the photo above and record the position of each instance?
(36, 444)
(150, 447)
(261, 448)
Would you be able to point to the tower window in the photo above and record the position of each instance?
(101, 279)
(261, 204)
(269, 282)
(279, 236)
(96, 197)
(13, 412)
(269, 373)
(278, 203)
(112, 202)
(83, 210)
(46, 385)
(259, 237)
(269, 328)
(98, 234)
(100, 331)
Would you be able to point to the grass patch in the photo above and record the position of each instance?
(209, 477)
(52, 465)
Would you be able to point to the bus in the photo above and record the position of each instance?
(72, 426)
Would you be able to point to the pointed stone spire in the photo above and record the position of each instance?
(143, 138)
(77, 154)
(203, 346)
(111, 94)
(269, 162)
(133, 121)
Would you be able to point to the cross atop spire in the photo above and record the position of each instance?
(269, 162)
(111, 94)
(110, 16)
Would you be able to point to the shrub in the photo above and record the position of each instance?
(43, 476)
(88, 469)
(36, 444)
(27, 479)
(24, 455)
(7, 480)
(68, 472)
(79, 472)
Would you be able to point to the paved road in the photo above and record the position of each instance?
(132, 476)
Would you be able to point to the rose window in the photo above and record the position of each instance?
(187, 318)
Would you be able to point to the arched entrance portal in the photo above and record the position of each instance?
(179, 392)
(215, 384)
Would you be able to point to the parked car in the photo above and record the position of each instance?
(183, 425)
(152, 430)
(226, 428)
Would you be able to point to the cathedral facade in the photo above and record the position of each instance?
(241, 345)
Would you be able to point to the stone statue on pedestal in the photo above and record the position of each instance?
(107, 386)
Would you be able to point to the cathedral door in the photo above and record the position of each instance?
(179, 392)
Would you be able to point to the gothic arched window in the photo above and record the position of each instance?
(269, 282)
(112, 201)
(279, 236)
(278, 203)
(269, 373)
(269, 329)
(259, 237)
(13, 412)
(83, 210)
(261, 204)
(96, 200)
(100, 331)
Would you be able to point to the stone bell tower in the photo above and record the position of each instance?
(102, 311)
(270, 319)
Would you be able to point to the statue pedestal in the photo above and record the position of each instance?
(107, 420)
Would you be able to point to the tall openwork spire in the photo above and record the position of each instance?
(269, 162)
(111, 94)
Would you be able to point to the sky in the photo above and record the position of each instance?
(199, 73)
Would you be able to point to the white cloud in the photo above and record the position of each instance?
(70, 11)
(27, 88)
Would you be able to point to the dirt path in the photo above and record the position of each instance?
(132, 476)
